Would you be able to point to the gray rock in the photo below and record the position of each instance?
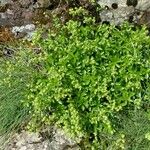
(143, 5)
(58, 140)
(21, 31)
(117, 16)
(118, 11)
(120, 3)
(26, 28)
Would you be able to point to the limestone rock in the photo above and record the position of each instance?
(57, 140)
(117, 16)
(24, 31)
(120, 3)
(143, 5)
(118, 11)
(61, 141)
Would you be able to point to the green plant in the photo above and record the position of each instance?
(135, 125)
(15, 73)
(89, 73)
(132, 128)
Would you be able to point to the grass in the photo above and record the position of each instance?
(132, 126)
(15, 74)
(135, 125)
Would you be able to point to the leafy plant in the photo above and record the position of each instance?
(89, 73)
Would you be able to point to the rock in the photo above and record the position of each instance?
(143, 5)
(27, 141)
(19, 32)
(138, 4)
(115, 11)
(116, 16)
(34, 141)
(60, 140)
(33, 138)
(118, 11)
(109, 3)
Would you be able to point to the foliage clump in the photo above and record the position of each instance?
(88, 74)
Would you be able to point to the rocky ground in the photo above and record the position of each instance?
(20, 18)
(117, 11)
(52, 139)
